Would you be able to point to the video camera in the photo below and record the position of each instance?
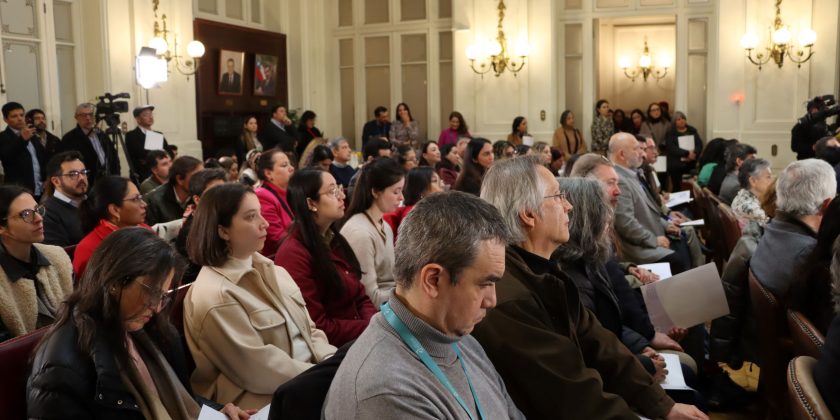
(825, 106)
(108, 108)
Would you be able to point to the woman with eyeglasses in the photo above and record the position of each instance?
(656, 126)
(245, 319)
(112, 353)
(419, 182)
(321, 261)
(34, 278)
(113, 203)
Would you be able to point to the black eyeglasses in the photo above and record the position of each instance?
(28, 215)
(74, 175)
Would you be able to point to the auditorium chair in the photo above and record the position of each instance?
(70, 250)
(14, 365)
(730, 228)
(807, 340)
(176, 317)
(805, 399)
(774, 347)
(715, 232)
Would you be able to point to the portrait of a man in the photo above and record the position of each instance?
(265, 75)
(230, 77)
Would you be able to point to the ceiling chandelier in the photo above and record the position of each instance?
(645, 67)
(781, 45)
(494, 56)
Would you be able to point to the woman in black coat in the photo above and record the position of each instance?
(681, 161)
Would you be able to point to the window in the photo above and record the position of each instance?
(236, 12)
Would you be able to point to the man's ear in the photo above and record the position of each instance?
(55, 182)
(527, 218)
(431, 276)
(824, 206)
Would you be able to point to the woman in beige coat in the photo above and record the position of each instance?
(244, 318)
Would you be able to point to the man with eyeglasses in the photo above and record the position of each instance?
(69, 180)
(98, 152)
(23, 159)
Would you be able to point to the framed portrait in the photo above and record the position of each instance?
(265, 75)
(230, 72)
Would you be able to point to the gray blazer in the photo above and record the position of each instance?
(638, 221)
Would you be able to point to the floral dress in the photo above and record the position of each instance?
(602, 129)
(747, 208)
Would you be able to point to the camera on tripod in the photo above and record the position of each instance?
(108, 108)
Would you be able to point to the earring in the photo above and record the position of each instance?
(314, 210)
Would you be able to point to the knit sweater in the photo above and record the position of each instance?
(374, 248)
(361, 388)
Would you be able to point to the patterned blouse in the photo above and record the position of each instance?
(747, 207)
(405, 135)
(602, 129)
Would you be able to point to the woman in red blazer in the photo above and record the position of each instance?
(321, 261)
(274, 170)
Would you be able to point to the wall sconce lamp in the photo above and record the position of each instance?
(494, 56)
(160, 43)
(149, 68)
(645, 68)
(781, 45)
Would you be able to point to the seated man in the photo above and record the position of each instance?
(556, 357)
(340, 167)
(160, 163)
(168, 202)
(411, 361)
(69, 180)
(803, 191)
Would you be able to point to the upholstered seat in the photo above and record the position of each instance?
(14, 365)
(806, 401)
(807, 340)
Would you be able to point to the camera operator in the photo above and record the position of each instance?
(98, 151)
(813, 126)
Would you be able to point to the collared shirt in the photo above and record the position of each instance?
(36, 166)
(97, 146)
(16, 269)
(278, 124)
(61, 196)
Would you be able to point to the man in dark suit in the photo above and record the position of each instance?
(68, 176)
(378, 127)
(279, 132)
(49, 140)
(231, 80)
(135, 141)
(22, 155)
(98, 152)
(267, 85)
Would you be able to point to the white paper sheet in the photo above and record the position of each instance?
(698, 222)
(661, 164)
(686, 142)
(528, 141)
(208, 413)
(674, 379)
(262, 414)
(686, 299)
(154, 140)
(663, 270)
(679, 197)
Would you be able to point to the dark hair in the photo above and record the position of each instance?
(417, 181)
(715, 150)
(107, 190)
(499, 148)
(304, 184)
(217, 207)
(154, 156)
(556, 153)
(471, 172)
(321, 152)
(212, 163)
(661, 113)
(522, 149)
(563, 117)
(825, 152)
(618, 112)
(402, 151)
(9, 107)
(373, 146)
(570, 164)
(444, 152)
(306, 116)
(181, 167)
(516, 121)
(598, 105)
(665, 108)
(376, 175)
(30, 115)
(54, 165)
(230, 60)
(379, 110)
(274, 109)
(462, 126)
(424, 148)
(397, 112)
(199, 180)
(637, 111)
(9, 193)
(737, 151)
(266, 162)
(94, 306)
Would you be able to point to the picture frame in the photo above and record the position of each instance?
(231, 66)
(265, 75)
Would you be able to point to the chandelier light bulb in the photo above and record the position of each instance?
(195, 49)
(807, 37)
(644, 61)
(159, 44)
(624, 62)
(472, 52)
(749, 41)
(781, 36)
(495, 48)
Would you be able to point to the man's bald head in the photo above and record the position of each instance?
(625, 150)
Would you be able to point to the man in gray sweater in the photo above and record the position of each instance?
(416, 359)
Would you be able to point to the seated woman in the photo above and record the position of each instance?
(274, 170)
(419, 182)
(449, 165)
(378, 191)
(245, 320)
(113, 203)
(321, 261)
(754, 177)
(429, 154)
(112, 353)
(34, 278)
(478, 158)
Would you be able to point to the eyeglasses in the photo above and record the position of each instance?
(157, 298)
(85, 114)
(28, 215)
(137, 199)
(560, 196)
(74, 175)
(336, 191)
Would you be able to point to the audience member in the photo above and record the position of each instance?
(429, 154)
(377, 128)
(754, 177)
(656, 125)
(449, 165)
(502, 149)
(159, 166)
(135, 141)
(248, 139)
(828, 365)
(245, 320)
(621, 123)
(681, 161)
(804, 190)
(479, 158)
(519, 130)
(248, 174)
(340, 167)
(828, 149)
(274, 169)
(567, 137)
(376, 148)
(602, 127)
(21, 153)
(406, 157)
(322, 158)
(451, 255)
(168, 202)
(231, 168)
(543, 150)
(713, 156)
(98, 152)
(200, 182)
(379, 191)
(34, 278)
(279, 132)
(307, 132)
(457, 130)
(404, 130)
(563, 360)
(557, 161)
(637, 118)
(69, 180)
(320, 259)
(736, 155)
(419, 182)
(50, 141)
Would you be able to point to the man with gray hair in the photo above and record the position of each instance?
(98, 151)
(803, 191)
(416, 359)
(555, 355)
(340, 167)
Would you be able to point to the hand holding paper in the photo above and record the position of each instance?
(687, 299)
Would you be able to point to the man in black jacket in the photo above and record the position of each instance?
(68, 176)
(22, 155)
(50, 141)
(279, 132)
(168, 201)
(98, 152)
(135, 141)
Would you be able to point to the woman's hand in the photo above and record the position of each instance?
(235, 413)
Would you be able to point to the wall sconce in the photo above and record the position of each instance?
(494, 55)
(645, 68)
(780, 37)
(150, 68)
(160, 43)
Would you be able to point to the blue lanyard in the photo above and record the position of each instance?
(412, 342)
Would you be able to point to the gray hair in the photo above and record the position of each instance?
(803, 186)
(447, 229)
(336, 142)
(86, 105)
(588, 238)
(588, 163)
(512, 185)
(749, 169)
(679, 115)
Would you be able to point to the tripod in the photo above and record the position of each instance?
(116, 136)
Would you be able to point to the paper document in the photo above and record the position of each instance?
(663, 270)
(528, 141)
(208, 413)
(674, 379)
(661, 164)
(154, 140)
(698, 222)
(686, 142)
(686, 299)
(679, 197)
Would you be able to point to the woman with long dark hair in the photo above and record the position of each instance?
(478, 159)
(430, 154)
(456, 130)
(307, 131)
(378, 191)
(404, 129)
(419, 182)
(321, 261)
(656, 126)
(449, 165)
(518, 130)
(248, 139)
(567, 137)
(112, 352)
(637, 117)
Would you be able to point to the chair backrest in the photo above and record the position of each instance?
(176, 317)
(14, 365)
(805, 398)
(807, 340)
(730, 227)
(70, 250)
(715, 230)
(774, 346)
(699, 203)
